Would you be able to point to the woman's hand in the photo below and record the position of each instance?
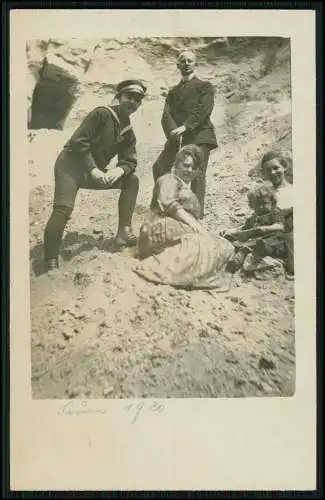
(204, 231)
(97, 175)
(113, 175)
(229, 234)
(195, 227)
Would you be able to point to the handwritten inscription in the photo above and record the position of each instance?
(137, 408)
(79, 408)
(75, 407)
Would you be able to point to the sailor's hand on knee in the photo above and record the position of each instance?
(98, 176)
(113, 175)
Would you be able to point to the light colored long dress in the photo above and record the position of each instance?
(183, 258)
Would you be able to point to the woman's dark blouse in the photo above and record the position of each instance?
(98, 139)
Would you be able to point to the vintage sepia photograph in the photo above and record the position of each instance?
(161, 217)
(162, 250)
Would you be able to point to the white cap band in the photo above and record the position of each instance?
(133, 88)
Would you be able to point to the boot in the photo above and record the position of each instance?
(237, 261)
(51, 264)
(261, 248)
(125, 237)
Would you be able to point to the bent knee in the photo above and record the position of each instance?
(131, 180)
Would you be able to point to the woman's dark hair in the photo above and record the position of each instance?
(191, 150)
(271, 155)
(262, 191)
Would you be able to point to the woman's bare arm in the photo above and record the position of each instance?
(246, 234)
(271, 228)
(183, 216)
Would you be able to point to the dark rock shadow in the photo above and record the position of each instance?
(73, 245)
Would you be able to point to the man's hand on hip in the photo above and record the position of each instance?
(178, 131)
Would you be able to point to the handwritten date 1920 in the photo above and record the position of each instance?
(137, 408)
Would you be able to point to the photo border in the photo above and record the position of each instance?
(6, 276)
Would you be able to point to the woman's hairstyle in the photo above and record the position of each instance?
(191, 150)
(261, 192)
(270, 155)
(278, 155)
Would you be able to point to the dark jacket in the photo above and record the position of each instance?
(101, 136)
(191, 104)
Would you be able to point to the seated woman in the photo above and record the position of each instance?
(274, 170)
(174, 246)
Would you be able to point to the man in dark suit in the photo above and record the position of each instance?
(186, 120)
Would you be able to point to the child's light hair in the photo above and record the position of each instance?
(261, 191)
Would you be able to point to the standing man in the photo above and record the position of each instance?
(186, 120)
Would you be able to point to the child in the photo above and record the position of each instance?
(262, 234)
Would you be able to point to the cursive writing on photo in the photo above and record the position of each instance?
(79, 408)
(135, 409)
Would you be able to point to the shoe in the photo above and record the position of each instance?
(260, 248)
(254, 262)
(51, 264)
(126, 238)
(144, 243)
(236, 262)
